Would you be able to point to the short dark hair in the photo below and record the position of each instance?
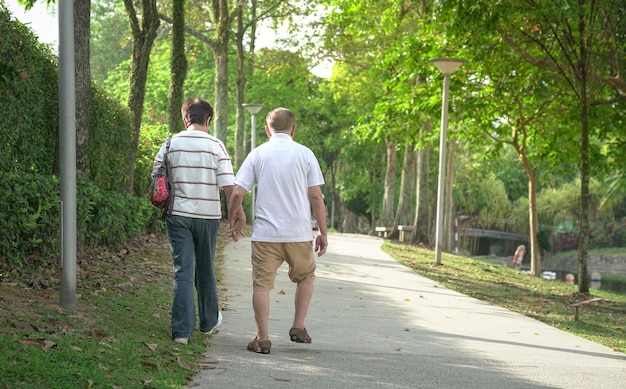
(280, 120)
(196, 111)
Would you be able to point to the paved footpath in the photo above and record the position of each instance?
(376, 324)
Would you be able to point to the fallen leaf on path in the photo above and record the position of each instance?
(192, 384)
(282, 292)
(187, 365)
(281, 379)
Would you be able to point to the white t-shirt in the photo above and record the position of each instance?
(284, 170)
(200, 166)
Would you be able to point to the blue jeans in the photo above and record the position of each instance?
(190, 239)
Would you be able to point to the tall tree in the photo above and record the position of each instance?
(82, 17)
(144, 34)
(581, 41)
(178, 66)
(421, 224)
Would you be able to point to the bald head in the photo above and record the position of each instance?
(280, 120)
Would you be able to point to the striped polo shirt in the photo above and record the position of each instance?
(200, 166)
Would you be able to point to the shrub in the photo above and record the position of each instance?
(29, 218)
(28, 97)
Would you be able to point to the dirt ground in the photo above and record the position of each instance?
(26, 296)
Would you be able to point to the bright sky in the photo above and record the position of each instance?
(42, 21)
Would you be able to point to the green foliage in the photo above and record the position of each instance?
(28, 97)
(150, 140)
(29, 159)
(110, 141)
(481, 194)
(29, 218)
(111, 218)
(111, 41)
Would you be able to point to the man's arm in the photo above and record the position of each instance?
(316, 198)
(236, 214)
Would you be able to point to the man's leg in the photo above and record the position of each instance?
(304, 293)
(261, 306)
(183, 309)
(205, 238)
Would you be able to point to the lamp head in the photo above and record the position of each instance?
(447, 66)
(252, 108)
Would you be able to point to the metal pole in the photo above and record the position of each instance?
(442, 171)
(252, 146)
(67, 150)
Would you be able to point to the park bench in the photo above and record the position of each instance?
(581, 303)
(402, 230)
(383, 231)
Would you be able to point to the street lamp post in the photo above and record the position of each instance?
(447, 66)
(253, 109)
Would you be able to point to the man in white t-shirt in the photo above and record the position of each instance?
(200, 167)
(289, 180)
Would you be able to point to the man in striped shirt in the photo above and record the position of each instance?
(200, 167)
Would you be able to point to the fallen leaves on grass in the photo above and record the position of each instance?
(149, 363)
(45, 344)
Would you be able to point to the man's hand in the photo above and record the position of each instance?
(321, 244)
(237, 224)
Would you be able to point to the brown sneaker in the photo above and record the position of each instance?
(299, 335)
(261, 347)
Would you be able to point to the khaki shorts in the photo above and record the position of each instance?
(268, 256)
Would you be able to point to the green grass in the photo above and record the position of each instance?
(546, 301)
(118, 337)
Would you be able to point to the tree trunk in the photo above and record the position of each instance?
(244, 70)
(220, 52)
(535, 252)
(178, 66)
(585, 196)
(388, 209)
(421, 225)
(240, 118)
(143, 38)
(448, 208)
(403, 214)
(82, 26)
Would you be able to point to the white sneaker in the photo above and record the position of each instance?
(182, 340)
(219, 323)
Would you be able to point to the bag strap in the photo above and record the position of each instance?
(166, 161)
(167, 146)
